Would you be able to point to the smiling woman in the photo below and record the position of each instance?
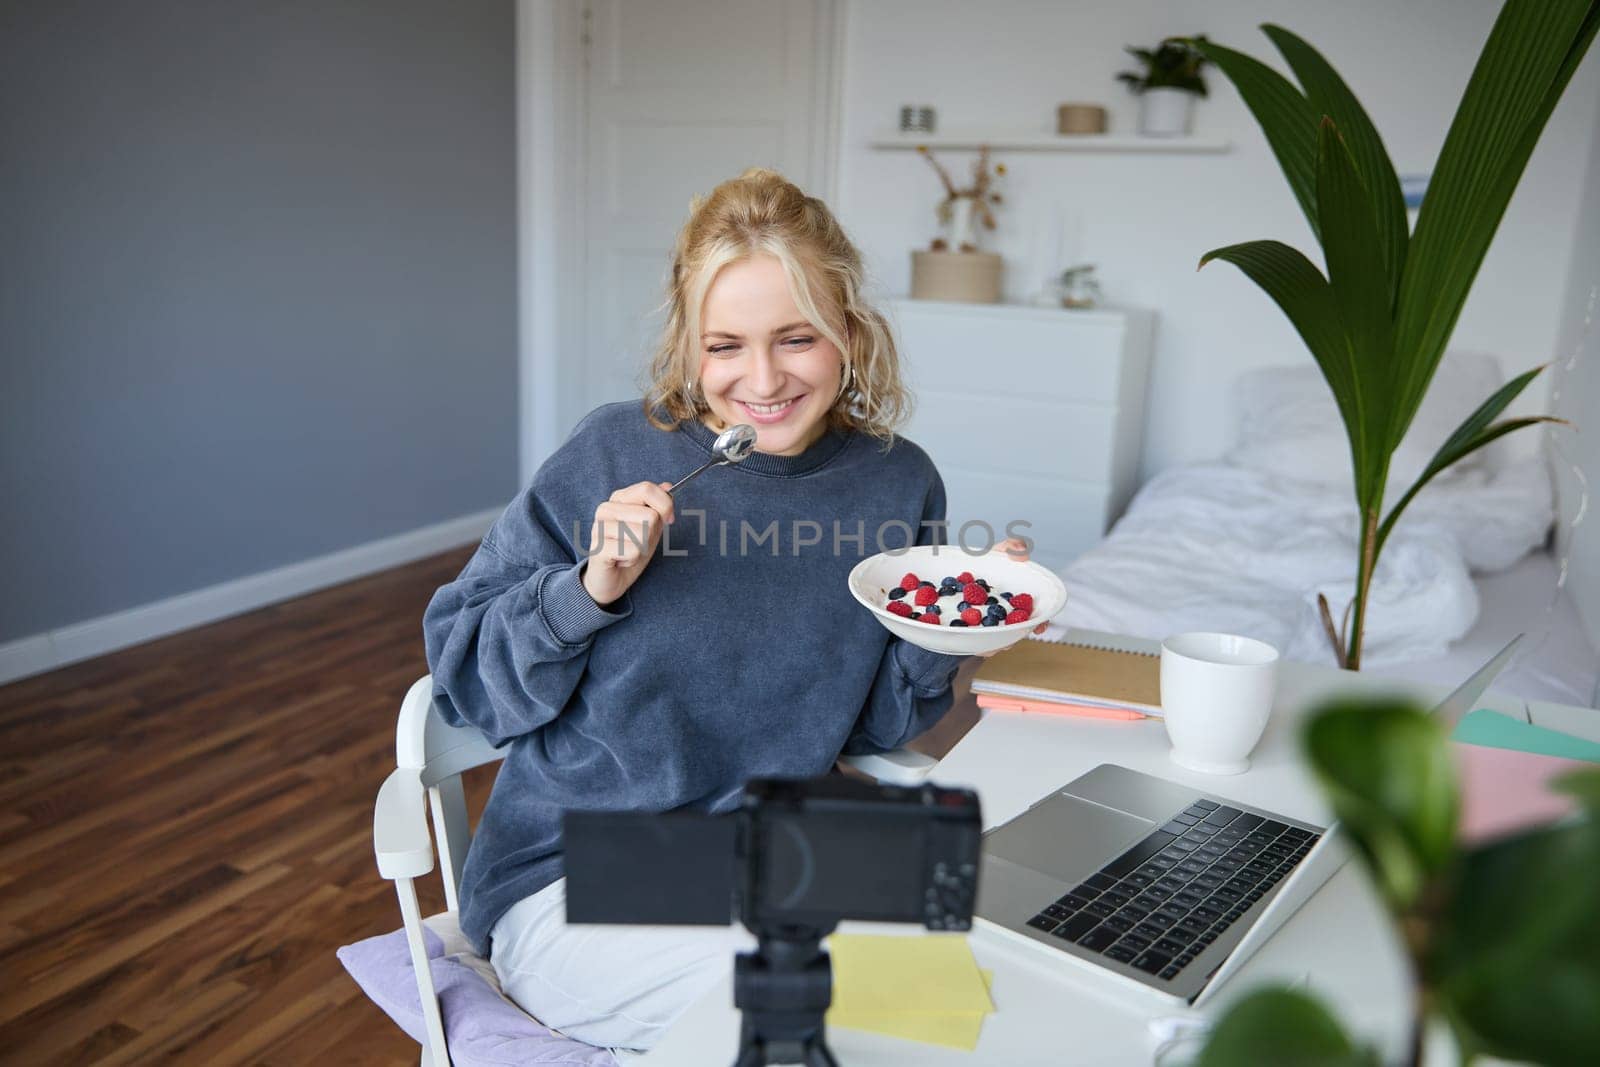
(571, 649)
(767, 323)
(784, 379)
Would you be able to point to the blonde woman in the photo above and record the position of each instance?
(643, 653)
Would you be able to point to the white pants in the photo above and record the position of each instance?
(619, 987)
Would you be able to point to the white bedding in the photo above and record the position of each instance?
(1555, 663)
(1225, 547)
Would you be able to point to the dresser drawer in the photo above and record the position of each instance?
(1023, 352)
(1066, 519)
(986, 431)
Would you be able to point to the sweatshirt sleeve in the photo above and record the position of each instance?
(509, 639)
(911, 691)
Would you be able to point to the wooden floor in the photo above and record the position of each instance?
(185, 836)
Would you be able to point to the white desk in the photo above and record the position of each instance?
(1047, 1012)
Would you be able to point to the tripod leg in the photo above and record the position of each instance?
(752, 1050)
(817, 1054)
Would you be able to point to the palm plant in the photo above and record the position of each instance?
(1378, 320)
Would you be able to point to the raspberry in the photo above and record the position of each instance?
(909, 582)
(972, 617)
(1024, 601)
(974, 593)
(964, 578)
(929, 618)
(927, 595)
(900, 608)
(1018, 615)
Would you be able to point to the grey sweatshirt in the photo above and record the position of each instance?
(738, 653)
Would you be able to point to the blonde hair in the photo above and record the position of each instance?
(761, 212)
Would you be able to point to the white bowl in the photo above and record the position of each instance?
(873, 577)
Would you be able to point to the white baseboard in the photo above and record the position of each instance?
(80, 641)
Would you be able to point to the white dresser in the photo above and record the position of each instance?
(1030, 413)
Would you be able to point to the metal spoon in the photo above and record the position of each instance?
(731, 446)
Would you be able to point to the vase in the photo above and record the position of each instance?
(1165, 112)
(959, 230)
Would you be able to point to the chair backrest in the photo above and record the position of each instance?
(440, 753)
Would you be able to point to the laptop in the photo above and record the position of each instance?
(1155, 883)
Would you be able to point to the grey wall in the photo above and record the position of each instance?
(257, 287)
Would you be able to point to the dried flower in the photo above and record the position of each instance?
(980, 192)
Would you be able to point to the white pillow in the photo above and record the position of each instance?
(1289, 425)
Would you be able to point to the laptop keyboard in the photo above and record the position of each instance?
(1159, 904)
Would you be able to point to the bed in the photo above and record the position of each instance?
(1245, 544)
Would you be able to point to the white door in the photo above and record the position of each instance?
(681, 95)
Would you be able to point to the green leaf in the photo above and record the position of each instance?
(1284, 114)
(1516, 958)
(1303, 294)
(1285, 1027)
(1585, 785)
(1351, 244)
(1476, 431)
(1455, 446)
(1529, 58)
(1330, 96)
(1389, 775)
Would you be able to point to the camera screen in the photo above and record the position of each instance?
(843, 863)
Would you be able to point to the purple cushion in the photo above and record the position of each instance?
(482, 1027)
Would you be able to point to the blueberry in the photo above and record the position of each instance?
(925, 585)
(947, 580)
(991, 602)
(1007, 596)
(949, 590)
(957, 622)
(896, 593)
(984, 584)
(991, 621)
(931, 609)
(995, 613)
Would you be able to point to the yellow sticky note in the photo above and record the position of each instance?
(957, 1030)
(921, 987)
(932, 973)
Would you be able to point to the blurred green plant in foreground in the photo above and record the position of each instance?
(1503, 937)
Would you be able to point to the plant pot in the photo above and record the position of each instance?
(1165, 112)
(967, 277)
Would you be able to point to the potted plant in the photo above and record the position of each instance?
(1167, 86)
(1378, 314)
(1502, 936)
(954, 267)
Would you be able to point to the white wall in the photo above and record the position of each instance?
(1579, 401)
(1146, 219)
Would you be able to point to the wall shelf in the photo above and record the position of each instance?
(1034, 141)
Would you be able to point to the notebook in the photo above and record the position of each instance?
(1086, 668)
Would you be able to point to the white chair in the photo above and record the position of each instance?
(430, 756)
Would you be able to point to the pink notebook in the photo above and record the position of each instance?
(1504, 791)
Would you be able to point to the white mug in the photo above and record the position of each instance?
(1216, 694)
